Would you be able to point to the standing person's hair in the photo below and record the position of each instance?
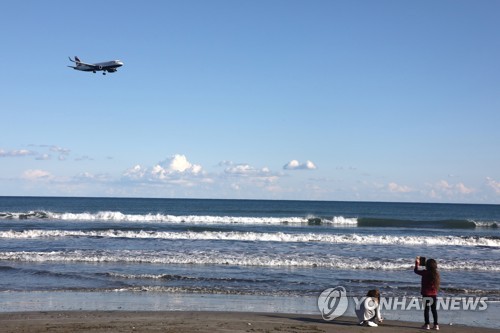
(431, 266)
(374, 293)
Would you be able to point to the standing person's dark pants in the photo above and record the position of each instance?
(430, 302)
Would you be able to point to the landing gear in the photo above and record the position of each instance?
(103, 73)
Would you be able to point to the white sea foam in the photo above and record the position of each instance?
(117, 216)
(238, 259)
(120, 217)
(263, 237)
(482, 224)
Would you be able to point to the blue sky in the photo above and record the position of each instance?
(313, 100)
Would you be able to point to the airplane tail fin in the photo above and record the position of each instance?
(77, 61)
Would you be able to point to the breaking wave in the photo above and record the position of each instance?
(205, 219)
(440, 224)
(116, 216)
(237, 259)
(487, 241)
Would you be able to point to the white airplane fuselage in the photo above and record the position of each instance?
(102, 66)
(108, 66)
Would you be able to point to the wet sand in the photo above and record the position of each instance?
(202, 321)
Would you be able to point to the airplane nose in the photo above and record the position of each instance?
(119, 62)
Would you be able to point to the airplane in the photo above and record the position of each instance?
(108, 66)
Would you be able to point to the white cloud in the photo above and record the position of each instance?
(179, 163)
(16, 153)
(293, 164)
(241, 169)
(175, 164)
(36, 175)
(90, 177)
(60, 150)
(247, 170)
(296, 165)
(396, 188)
(43, 157)
(493, 184)
(170, 169)
(244, 177)
(136, 172)
(444, 189)
(443, 185)
(462, 189)
(63, 152)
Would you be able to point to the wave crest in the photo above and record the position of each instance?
(237, 259)
(262, 237)
(199, 219)
(116, 216)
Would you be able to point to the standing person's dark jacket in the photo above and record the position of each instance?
(428, 287)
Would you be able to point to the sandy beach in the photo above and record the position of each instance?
(182, 321)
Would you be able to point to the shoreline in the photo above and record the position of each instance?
(98, 304)
(197, 321)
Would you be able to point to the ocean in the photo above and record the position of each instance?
(242, 248)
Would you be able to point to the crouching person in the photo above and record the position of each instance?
(368, 311)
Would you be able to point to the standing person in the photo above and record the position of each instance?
(369, 309)
(429, 290)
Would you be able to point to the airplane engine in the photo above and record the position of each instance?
(100, 67)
